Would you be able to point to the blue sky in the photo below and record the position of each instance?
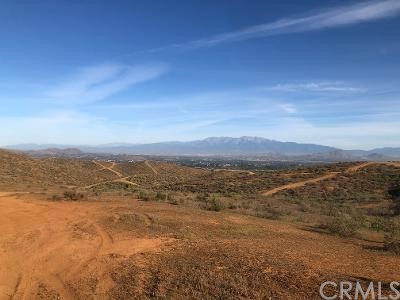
(91, 72)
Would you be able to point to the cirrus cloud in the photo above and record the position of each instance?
(96, 83)
(326, 86)
(330, 18)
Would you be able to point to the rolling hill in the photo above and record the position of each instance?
(21, 172)
(149, 229)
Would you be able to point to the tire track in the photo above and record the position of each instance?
(16, 288)
(147, 163)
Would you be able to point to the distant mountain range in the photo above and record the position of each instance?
(219, 146)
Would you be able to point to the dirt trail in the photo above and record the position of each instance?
(109, 168)
(121, 178)
(358, 167)
(350, 170)
(299, 184)
(45, 247)
(151, 167)
(126, 181)
(234, 170)
(393, 164)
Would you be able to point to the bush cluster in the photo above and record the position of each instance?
(342, 224)
(392, 238)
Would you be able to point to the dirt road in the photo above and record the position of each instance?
(359, 167)
(299, 184)
(121, 178)
(103, 167)
(151, 167)
(350, 170)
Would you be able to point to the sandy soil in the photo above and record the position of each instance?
(65, 250)
(45, 244)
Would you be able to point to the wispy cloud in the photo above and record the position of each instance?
(289, 108)
(345, 121)
(317, 87)
(334, 17)
(102, 81)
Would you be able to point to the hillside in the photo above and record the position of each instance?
(151, 229)
(21, 172)
(56, 152)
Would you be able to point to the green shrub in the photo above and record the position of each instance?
(56, 198)
(161, 196)
(214, 204)
(267, 212)
(145, 196)
(73, 195)
(172, 200)
(202, 197)
(392, 238)
(375, 223)
(232, 205)
(342, 224)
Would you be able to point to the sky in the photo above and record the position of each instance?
(97, 72)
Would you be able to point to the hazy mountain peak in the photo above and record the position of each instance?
(223, 145)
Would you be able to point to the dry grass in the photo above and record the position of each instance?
(194, 233)
(20, 173)
(227, 256)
